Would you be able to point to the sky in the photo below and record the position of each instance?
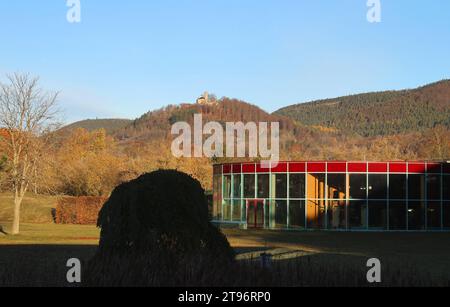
(126, 58)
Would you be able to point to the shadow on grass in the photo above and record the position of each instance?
(39, 265)
(45, 266)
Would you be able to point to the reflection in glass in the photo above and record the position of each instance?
(397, 186)
(280, 185)
(337, 214)
(263, 186)
(227, 187)
(446, 214)
(217, 198)
(358, 186)
(267, 209)
(336, 186)
(434, 187)
(416, 215)
(227, 210)
(397, 215)
(297, 186)
(297, 214)
(446, 185)
(280, 214)
(316, 186)
(377, 186)
(237, 209)
(434, 215)
(357, 214)
(237, 186)
(316, 214)
(378, 215)
(249, 186)
(416, 186)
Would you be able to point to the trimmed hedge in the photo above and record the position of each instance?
(79, 210)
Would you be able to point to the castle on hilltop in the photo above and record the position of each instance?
(206, 99)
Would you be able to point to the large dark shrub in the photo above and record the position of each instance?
(162, 212)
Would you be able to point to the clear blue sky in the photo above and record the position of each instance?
(129, 57)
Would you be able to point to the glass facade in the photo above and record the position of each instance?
(352, 196)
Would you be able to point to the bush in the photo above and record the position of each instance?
(79, 210)
(165, 211)
(162, 218)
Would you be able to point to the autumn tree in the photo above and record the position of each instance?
(28, 113)
(85, 163)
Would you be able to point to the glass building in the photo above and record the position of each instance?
(341, 196)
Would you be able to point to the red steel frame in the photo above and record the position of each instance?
(392, 167)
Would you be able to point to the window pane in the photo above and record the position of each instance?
(249, 186)
(280, 214)
(434, 187)
(358, 186)
(227, 187)
(377, 186)
(446, 214)
(357, 214)
(397, 186)
(416, 215)
(227, 210)
(267, 211)
(446, 185)
(336, 186)
(316, 186)
(280, 185)
(434, 215)
(217, 198)
(237, 186)
(397, 215)
(416, 186)
(336, 214)
(378, 215)
(297, 214)
(297, 186)
(237, 208)
(316, 214)
(263, 186)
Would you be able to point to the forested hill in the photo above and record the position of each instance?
(110, 125)
(380, 113)
(156, 125)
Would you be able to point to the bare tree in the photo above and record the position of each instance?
(28, 114)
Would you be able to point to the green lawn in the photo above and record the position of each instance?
(51, 234)
(35, 208)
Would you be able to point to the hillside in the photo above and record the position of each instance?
(156, 125)
(383, 134)
(380, 113)
(110, 125)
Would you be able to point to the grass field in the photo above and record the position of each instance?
(35, 208)
(38, 255)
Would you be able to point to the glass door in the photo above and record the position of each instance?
(255, 213)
